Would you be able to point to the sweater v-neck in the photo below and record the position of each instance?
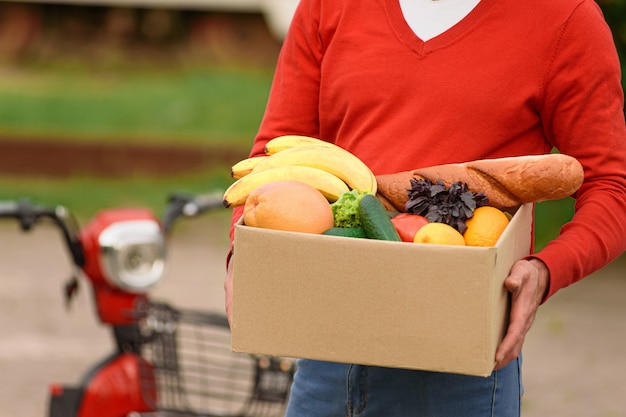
(421, 47)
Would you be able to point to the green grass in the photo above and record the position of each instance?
(85, 196)
(188, 105)
(184, 106)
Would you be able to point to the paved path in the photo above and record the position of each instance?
(575, 364)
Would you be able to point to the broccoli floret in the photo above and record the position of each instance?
(346, 209)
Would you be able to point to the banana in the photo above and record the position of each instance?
(282, 143)
(374, 182)
(334, 160)
(328, 184)
(245, 166)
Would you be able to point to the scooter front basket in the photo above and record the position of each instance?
(197, 374)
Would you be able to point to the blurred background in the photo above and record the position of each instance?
(120, 102)
(88, 85)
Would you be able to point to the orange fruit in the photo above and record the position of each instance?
(288, 205)
(439, 233)
(485, 226)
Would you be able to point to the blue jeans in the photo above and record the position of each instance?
(323, 389)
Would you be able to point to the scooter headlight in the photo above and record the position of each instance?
(133, 254)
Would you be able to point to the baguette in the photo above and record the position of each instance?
(507, 182)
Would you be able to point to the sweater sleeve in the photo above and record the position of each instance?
(293, 103)
(583, 116)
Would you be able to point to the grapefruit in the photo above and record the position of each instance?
(288, 205)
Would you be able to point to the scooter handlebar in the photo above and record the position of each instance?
(190, 205)
(8, 208)
(28, 214)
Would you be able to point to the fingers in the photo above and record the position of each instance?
(527, 283)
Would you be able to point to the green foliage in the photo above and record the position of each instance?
(550, 216)
(615, 15)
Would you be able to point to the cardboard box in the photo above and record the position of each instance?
(403, 305)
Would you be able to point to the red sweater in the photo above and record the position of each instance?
(512, 78)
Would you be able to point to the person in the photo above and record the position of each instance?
(405, 84)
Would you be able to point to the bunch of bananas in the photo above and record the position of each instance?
(327, 167)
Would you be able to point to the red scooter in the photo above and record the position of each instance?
(168, 362)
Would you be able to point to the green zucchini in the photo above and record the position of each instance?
(346, 232)
(375, 220)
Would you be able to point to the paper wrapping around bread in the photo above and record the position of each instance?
(507, 182)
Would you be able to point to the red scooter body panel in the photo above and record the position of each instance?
(115, 306)
(91, 232)
(124, 384)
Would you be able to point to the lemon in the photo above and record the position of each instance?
(439, 233)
